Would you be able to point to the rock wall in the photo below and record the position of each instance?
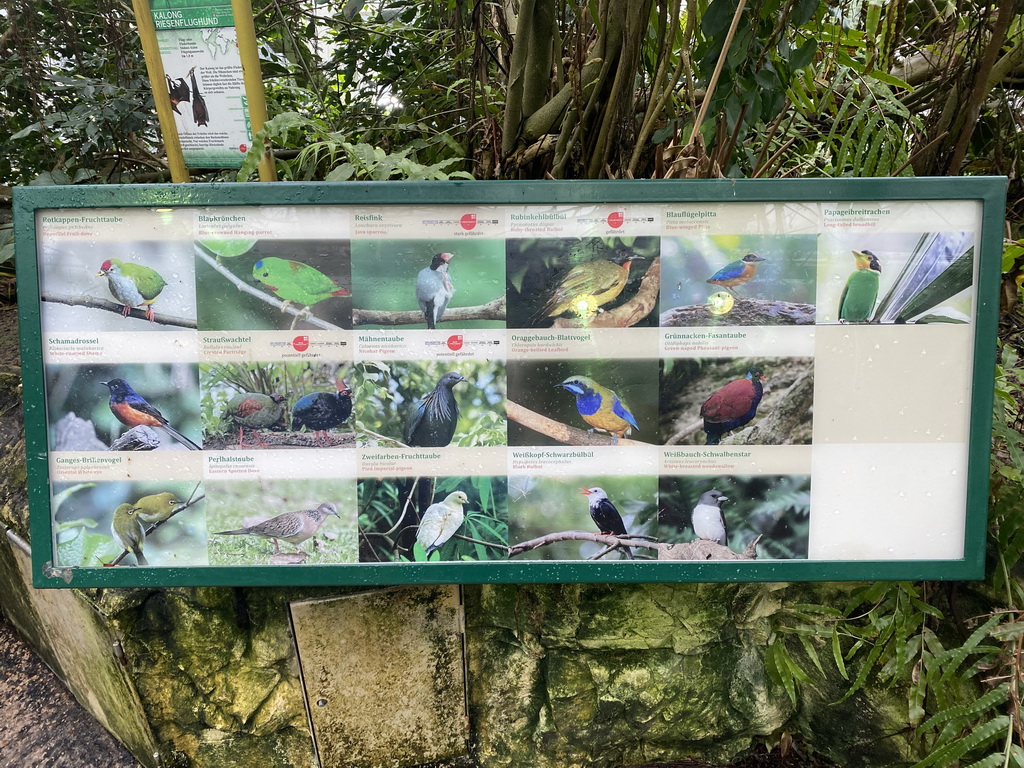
(608, 675)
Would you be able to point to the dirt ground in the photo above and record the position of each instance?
(41, 724)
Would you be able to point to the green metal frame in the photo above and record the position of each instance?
(990, 191)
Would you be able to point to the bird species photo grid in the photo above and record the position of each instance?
(327, 386)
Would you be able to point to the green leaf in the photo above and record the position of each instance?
(848, 61)
(343, 172)
(837, 654)
(50, 179)
(1007, 632)
(885, 77)
(777, 670)
(980, 735)
(28, 130)
(995, 760)
(717, 18)
(227, 249)
(971, 711)
(812, 653)
(1011, 252)
(60, 498)
(801, 12)
(866, 668)
(955, 278)
(804, 55)
(951, 660)
(365, 154)
(352, 9)
(81, 522)
(419, 554)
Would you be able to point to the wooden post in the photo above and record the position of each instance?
(155, 68)
(248, 52)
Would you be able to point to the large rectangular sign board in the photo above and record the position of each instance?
(282, 384)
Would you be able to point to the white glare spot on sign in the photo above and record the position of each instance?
(721, 302)
(585, 306)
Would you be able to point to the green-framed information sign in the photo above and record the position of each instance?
(203, 74)
(508, 382)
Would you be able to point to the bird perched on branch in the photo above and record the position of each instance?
(606, 516)
(434, 288)
(736, 273)
(440, 521)
(600, 407)
(133, 285)
(733, 405)
(588, 286)
(178, 91)
(200, 114)
(127, 530)
(857, 301)
(708, 520)
(255, 411)
(432, 424)
(292, 527)
(157, 507)
(296, 283)
(321, 411)
(131, 409)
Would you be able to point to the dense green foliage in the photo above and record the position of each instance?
(616, 89)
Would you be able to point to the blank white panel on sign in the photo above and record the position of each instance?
(888, 502)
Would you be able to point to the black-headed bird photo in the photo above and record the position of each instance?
(437, 519)
(605, 516)
(582, 282)
(734, 510)
(857, 301)
(739, 280)
(582, 402)
(133, 410)
(429, 284)
(600, 407)
(429, 403)
(434, 417)
(565, 517)
(901, 278)
(736, 401)
(323, 412)
(434, 289)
